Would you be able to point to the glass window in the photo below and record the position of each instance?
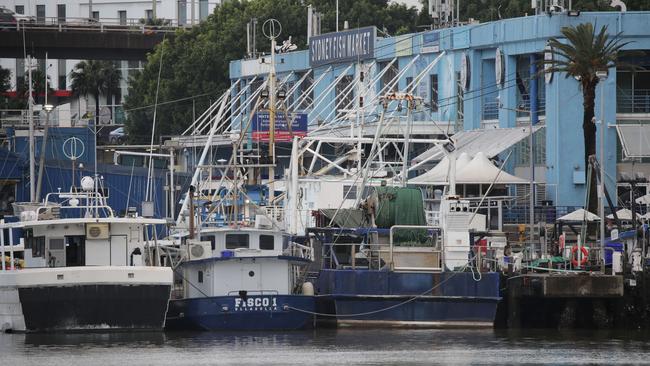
(203, 9)
(96, 15)
(122, 15)
(62, 76)
(40, 13)
(20, 9)
(434, 93)
(344, 94)
(182, 12)
(148, 14)
(388, 76)
(60, 13)
(200, 273)
(267, 242)
(235, 241)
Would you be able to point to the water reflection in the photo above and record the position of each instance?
(328, 347)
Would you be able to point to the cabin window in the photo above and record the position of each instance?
(267, 242)
(236, 241)
(211, 240)
(200, 276)
(37, 243)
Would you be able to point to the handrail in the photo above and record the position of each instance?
(427, 227)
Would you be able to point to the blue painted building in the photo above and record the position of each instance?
(479, 76)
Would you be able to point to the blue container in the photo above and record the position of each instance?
(230, 254)
(618, 247)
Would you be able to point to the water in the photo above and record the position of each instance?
(328, 347)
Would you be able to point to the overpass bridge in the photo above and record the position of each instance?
(82, 38)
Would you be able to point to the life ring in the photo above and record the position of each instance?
(585, 256)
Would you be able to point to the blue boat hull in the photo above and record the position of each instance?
(377, 298)
(272, 312)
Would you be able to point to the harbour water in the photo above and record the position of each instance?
(329, 347)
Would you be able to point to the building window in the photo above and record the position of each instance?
(60, 13)
(96, 15)
(40, 13)
(182, 12)
(148, 14)
(20, 72)
(433, 93)
(236, 241)
(344, 94)
(389, 74)
(305, 98)
(20, 9)
(200, 275)
(122, 15)
(63, 80)
(203, 9)
(267, 242)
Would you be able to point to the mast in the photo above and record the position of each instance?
(272, 30)
(32, 169)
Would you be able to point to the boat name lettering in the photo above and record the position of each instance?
(256, 304)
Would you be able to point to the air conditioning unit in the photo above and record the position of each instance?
(198, 249)
(97, 231)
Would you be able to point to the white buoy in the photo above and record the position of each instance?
(617, 262)
(308, 289)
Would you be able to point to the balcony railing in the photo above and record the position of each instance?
(633, 101)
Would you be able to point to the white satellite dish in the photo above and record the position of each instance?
(87, 183)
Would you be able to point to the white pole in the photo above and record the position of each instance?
(601, 187)
(532, 175)
(32, 172)
(337, 15)
(2, 244)
(172, 188)
(294, 187)
(11, 249)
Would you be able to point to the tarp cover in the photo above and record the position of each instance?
(401, 206)
(346, 217)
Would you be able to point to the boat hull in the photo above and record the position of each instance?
(263, 312)
(85, 299)
(405, 299)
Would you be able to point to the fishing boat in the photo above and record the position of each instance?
(77, 266)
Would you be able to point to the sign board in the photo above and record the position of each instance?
(283, 132)
(430, 42)
(345, 46)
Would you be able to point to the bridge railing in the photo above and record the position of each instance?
(103, 25)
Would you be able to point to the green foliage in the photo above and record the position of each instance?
(195, 63)
(95, 78)
(5, 84)
(585, 53)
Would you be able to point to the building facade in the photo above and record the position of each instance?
(471, 78)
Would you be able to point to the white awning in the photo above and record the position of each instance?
(623, 214)
(635, 140)
(490, 141)
(579, 215)
(480, 170)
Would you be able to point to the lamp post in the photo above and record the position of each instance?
(602, 76)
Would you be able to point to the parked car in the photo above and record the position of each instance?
(7, 14)
(117, 136)
(7, 19)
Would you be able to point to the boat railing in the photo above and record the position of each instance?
(436, 251)
(254, 292)
(300, 251)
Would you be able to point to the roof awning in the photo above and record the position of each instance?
(491, 142)
(635, 139)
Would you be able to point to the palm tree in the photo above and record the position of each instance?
(95, 78)
(586, 53)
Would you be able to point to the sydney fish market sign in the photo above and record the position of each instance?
(284, 131)
(349, 45)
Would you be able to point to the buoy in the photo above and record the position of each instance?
(308, 289)
(574, 257)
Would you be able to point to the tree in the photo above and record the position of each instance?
(196, 62)
(5, 84)
(586, 53)
(95, 78)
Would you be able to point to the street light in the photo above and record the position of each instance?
(602, 76)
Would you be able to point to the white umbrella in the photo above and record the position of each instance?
(623, 214)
